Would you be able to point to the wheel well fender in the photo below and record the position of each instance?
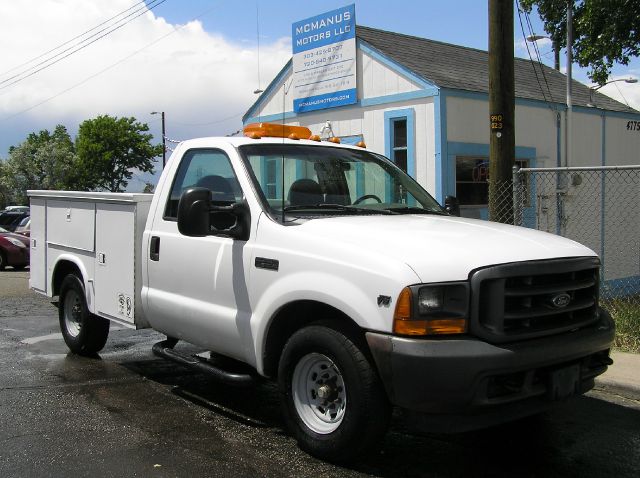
(296, 315)
(64, 267)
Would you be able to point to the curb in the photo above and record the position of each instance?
(623, 389)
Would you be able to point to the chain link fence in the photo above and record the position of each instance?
(598, 207)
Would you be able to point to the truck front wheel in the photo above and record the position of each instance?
(83, 332)
(333, 401)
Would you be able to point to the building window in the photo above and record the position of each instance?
(399, 143)
(271, 177)
(400, 139)
(472, 179)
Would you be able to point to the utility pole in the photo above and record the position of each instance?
(164, 139)
(501, 111)
(568, 117)
(164, 144)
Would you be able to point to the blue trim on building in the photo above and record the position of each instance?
(396, 98)
(410, 115)
(397, 67)
(378, 100)
(270, 118)
(429, 90)
(476, 95)
(440, 134)
(482, 149)
(275, 83)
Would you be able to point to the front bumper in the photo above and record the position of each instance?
(465, 377)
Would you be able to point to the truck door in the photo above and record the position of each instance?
(196, 285)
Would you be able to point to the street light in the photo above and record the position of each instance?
(164, 147)
(554, 46)
(591, 89)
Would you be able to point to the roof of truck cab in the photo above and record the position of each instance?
(237, 141)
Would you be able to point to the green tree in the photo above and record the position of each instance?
(108, 148)
(43, 161)
(604, 31)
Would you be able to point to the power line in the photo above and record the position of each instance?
(620, 91)
(108, 67)
(74, 49)
(526, 44)
(209, 123)
(537, 50)
(69, 41)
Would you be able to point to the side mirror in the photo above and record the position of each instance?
(193, 212)
(198, 216)
(452, 205)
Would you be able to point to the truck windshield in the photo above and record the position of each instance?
(309, 180)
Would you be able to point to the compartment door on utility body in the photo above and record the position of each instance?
(197, 287)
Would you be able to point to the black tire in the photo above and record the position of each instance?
(364, 414)
(3, 261)
(83, 332)
(19, 268)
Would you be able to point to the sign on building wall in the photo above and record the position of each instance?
(324, 60)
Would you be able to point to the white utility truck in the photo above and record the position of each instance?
(323, 266)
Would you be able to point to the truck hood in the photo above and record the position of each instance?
(442, 248)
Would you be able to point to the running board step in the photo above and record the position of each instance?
(165, 350)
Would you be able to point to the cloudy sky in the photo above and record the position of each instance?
(197, 60)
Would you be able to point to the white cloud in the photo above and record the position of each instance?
(622, 91)
(193, 75)
(544, 45)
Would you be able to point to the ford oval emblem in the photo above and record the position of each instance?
(560, 301)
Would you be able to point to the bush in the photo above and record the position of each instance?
(626, 314)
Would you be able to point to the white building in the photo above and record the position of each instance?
(425, 105)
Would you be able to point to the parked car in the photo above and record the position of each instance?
(14, 250)
(17, 208)
(10, 219)
(24, 227)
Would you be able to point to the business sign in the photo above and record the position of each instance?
(324, 60)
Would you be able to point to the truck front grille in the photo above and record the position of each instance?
(525, 300)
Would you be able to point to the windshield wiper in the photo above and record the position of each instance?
(336, 207)
(415, 210)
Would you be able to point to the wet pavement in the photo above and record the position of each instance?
(127, 413)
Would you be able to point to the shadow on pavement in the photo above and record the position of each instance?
(583, 437)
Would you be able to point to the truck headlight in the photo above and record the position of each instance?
(433, 309)
(15, 242)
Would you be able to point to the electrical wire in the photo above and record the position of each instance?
(69, 41)
(210, 122)
(75, 48)
(108, 67)
(620, 91)
(533, 63)
(537, 50)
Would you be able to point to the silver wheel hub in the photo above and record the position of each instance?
(73, 313)
(319, 393)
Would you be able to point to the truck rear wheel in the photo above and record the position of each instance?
(333, 401)
(83, 332)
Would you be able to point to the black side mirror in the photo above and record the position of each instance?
(199, 216)
(452, 205)
(193, 212)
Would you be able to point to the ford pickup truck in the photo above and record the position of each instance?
(324, 267)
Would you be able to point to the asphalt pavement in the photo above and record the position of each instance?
(128, 413)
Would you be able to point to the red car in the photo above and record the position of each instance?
(14, 250)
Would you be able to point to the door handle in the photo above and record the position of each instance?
(154, 249)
